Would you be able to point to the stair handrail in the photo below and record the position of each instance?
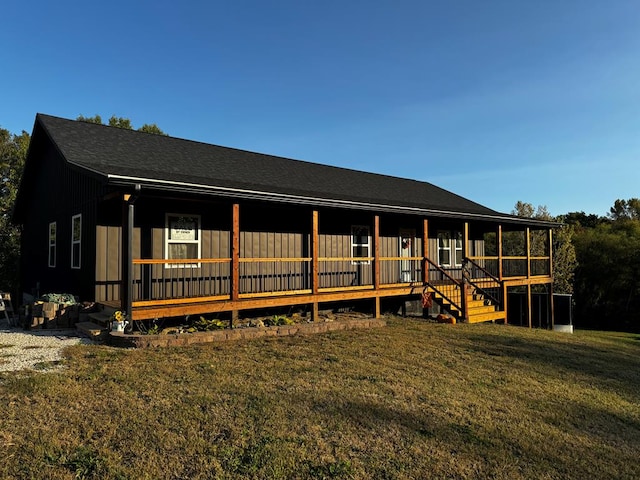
(483, 270)
(467, 278)
(454, 281)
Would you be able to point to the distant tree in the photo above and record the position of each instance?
(120, 122)
(13, 152)
(625, 209)
(565, 260)
(563, 251)
(151, 128)
(96, 119)
(607, 286)
(581, 219)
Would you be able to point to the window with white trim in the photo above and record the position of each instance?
(52, 244)
(360, 244)
(76, 240)
(457, 246)
(449, 248)
(182, 238)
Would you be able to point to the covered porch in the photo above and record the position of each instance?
(325, 259)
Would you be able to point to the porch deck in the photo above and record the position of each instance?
(472, 293)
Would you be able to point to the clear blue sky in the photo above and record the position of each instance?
(497, 101)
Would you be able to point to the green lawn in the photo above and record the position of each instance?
(412, 400)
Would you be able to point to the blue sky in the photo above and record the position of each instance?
(497, 101)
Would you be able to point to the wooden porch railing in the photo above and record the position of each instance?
(514, 266)
(164, 280)
(270, 275)
(483, 281)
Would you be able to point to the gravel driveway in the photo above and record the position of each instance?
(34, 349)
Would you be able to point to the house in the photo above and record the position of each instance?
(164, 227)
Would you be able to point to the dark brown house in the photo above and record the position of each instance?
(163, 227)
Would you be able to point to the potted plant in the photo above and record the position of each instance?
(118, 321)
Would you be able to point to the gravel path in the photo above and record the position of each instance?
(22, 349)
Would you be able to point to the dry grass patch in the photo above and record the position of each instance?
(413, 400)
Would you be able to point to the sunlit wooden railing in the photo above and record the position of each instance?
(270, 275)
(345, 272)
(398, 270)
(164, 279)
(515, 266)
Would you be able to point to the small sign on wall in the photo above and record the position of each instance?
(183, 228)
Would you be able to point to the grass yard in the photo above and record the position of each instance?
(413, 400)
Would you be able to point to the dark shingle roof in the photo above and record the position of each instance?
(166, 162)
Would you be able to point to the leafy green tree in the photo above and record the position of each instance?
(607, 286)
(151, 128)
(120, 122)
(582, 220)
(625, 209)
(563, 251)
(96, 119)
(13, 152)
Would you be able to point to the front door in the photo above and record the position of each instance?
(407, 251)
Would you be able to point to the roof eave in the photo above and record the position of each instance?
(247, 194)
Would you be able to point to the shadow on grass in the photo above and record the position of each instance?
(604, 367)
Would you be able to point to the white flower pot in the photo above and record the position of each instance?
(118, 326)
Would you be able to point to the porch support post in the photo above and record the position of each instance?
(235, 261)
(528, 243)
(500, 272)
(499, 245)
(553, 318)
(376, 264)
(529, 310)
(464, 292)
(425, 250)
(465, 240)
(376, 252)
(126, 288)
(315, 266)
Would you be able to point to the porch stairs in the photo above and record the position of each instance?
(480, 309)
(98, 323)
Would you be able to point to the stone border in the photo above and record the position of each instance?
(119, 339)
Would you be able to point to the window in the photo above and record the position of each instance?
(444, 249)
(182, 236)
(76, 240)
(360, 244)
(449, 248)
(52, 244)
(458, 248)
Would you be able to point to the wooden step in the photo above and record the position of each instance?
(91, 330)
(476, 303)
(481, 309)
(100, 318)
(488, 317)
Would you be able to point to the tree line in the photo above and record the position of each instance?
(597, 259)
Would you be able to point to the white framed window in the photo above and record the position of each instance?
(52, 244)
(457, 246)
(449, 248)
(360, 244)
(182, 239)
(444, 248)
(76, 240)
